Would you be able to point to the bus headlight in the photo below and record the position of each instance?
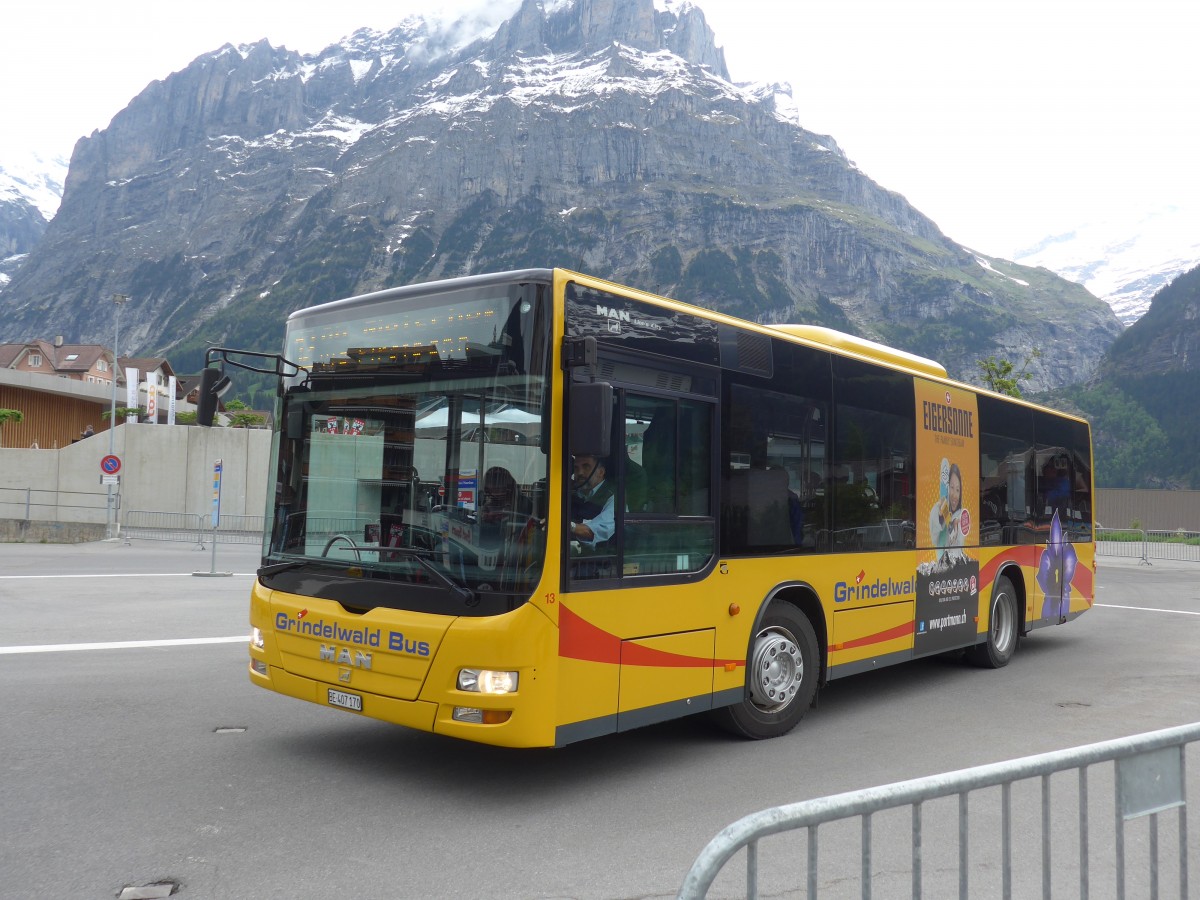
(256, 639)
(487, 681)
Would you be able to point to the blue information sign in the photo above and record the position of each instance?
(216, 509)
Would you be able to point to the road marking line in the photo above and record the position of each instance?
(1179, 612)
(122, 645)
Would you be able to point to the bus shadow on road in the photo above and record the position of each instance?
(407, 759)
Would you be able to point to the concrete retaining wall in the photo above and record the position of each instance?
(164, 468)
(23, 531)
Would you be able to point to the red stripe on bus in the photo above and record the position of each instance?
(580, 639)
(1030, 555)
(1026, 555)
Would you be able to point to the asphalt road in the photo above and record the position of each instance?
(142, 761)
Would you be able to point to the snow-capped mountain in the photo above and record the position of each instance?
(601, 135)
(1124, 262)
(31, 188)
(36, 179)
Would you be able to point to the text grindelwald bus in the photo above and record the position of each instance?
(788, 505)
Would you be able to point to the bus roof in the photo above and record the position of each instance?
(815, 334)
(545, 276)
(818, 334)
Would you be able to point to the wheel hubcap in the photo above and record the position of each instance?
(777, 670)
(1003, 624)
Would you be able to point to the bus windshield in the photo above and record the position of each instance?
(409, 455)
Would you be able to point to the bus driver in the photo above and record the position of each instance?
(593, 519)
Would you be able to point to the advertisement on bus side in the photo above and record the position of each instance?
(947, 518)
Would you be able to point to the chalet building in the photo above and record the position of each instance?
(61, 389)
(90, 363)
(65, 391)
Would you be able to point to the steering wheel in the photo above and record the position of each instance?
(342, 537)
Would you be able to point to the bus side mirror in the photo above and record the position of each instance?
(294, 424)
(591, 418)
(213, 385)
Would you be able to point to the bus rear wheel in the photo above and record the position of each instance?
(1003, 624)
(782, 669)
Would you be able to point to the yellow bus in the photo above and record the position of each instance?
(535, 507)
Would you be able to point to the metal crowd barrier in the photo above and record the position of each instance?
(238, 529)
(32, 504)
(1177, 545)
(1143, 544)
(191, 527)
(1149, 785)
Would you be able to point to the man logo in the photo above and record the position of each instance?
(359, 659)
(613, 314)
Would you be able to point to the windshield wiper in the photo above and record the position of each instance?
(276, 568)
(465, 594)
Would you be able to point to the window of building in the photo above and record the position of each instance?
(35, 360)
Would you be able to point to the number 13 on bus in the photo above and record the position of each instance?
(535, 507)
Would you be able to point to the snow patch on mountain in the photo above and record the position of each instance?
(987, 264)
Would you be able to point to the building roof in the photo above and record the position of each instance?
(60, 357)
(146, 364)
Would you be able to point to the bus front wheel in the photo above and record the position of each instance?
(1003, 624)
(782, 669)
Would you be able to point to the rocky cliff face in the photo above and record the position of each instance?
(1146, 427)
(1166, 340)
(603, 135)
(21, 226)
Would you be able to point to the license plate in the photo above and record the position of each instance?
(344, 700)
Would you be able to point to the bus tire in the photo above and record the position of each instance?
(1003, 625)
(782, 669)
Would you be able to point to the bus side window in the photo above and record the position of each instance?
(658, 458)
(874, 500)
(672, 531)
(759, 498)
(774, 498)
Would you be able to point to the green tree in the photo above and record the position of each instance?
(185, 418)
(235, 406)
(246, 419)
(125, 411)
(1003, 377)
(9, 415)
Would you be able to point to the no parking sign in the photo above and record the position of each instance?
(110, 465)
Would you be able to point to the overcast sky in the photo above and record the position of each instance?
(1002, 121)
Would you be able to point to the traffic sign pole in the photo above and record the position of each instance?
(216, 517)
(110, 465)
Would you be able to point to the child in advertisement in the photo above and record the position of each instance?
(948, 520)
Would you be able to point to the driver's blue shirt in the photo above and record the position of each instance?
(595, 509)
